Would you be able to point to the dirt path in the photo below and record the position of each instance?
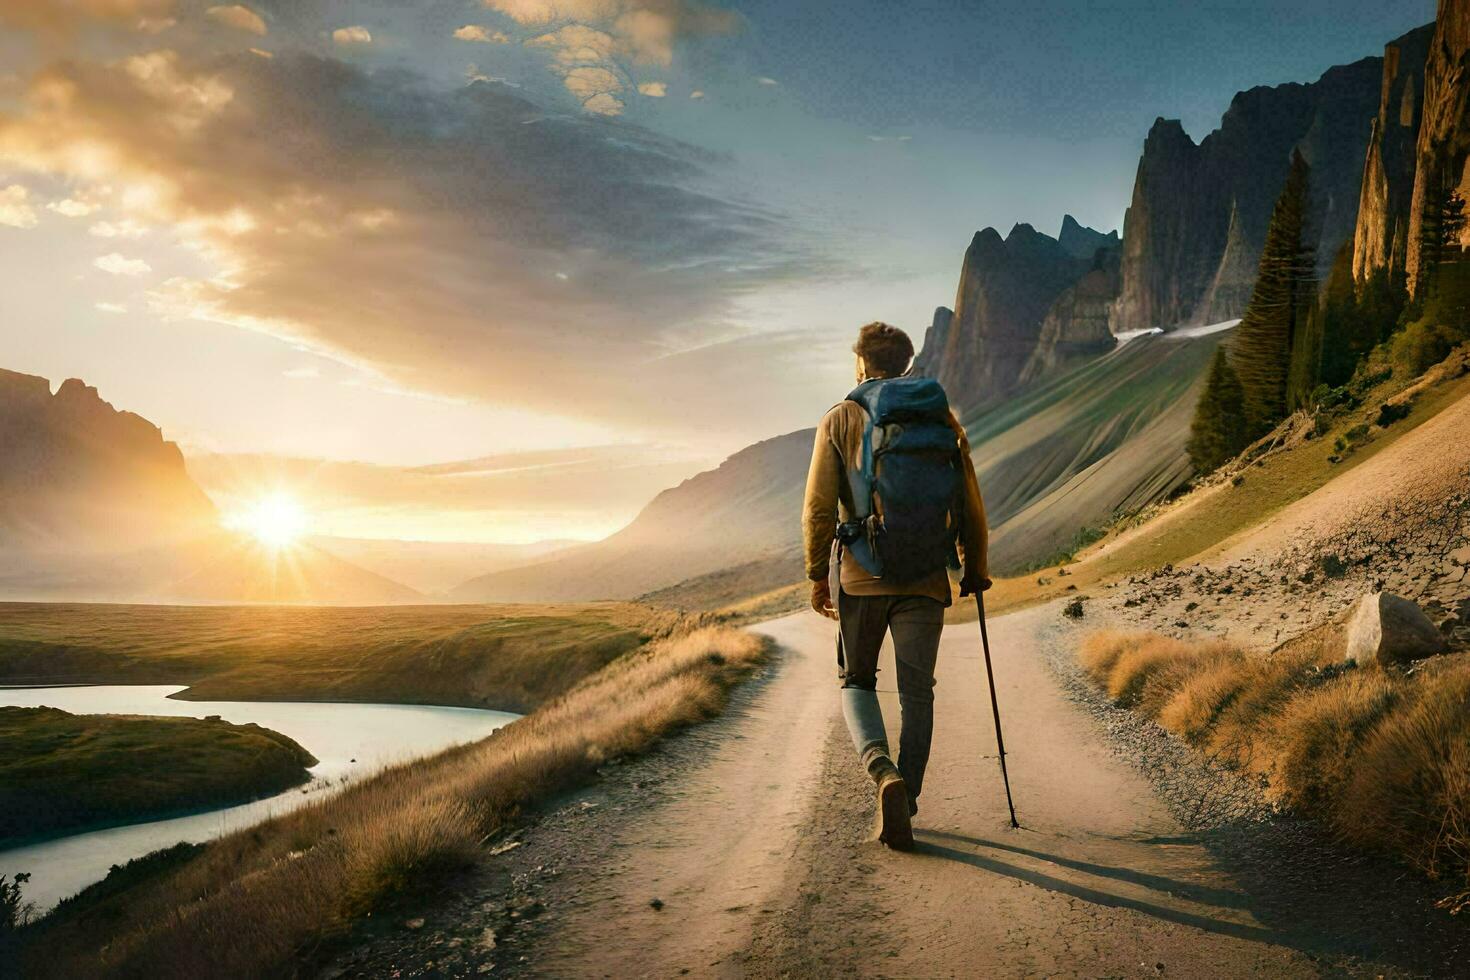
(752, 834)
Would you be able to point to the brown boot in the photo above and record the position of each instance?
(894, 828)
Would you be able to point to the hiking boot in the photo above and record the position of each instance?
(894, 828)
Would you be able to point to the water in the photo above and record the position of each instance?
(350, 740)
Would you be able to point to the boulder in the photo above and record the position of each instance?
(1388, 629)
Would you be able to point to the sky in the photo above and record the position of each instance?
(408, 233)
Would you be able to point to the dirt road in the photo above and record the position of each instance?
(752, 835)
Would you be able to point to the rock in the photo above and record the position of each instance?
(414, 924)
(1388, 629)
(656, 904)
(1073, 609)
(935, 340)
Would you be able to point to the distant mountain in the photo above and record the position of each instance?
(75, 471)
(746, 510)
(435, 567)
(96, 505)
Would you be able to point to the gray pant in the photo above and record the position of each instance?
(916, 623)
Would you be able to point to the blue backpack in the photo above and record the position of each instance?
(908, 487)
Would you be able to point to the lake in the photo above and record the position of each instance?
(350, 740)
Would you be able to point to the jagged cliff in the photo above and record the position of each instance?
(935, 339)
(1198, 217)
(1442, 146)
(1381, 238)
(74, 469)
(1013, 293)
(1075, 329)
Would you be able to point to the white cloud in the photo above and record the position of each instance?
(484, 35)
(110, 307)
(696, 94)
(302, 372)
(604, 104)
(119, 265)
(352, 35)
(654, 90)
(239, 17)
(126, 228)
(15, 208)
(767, 81)
(262, 53)
(71, 208)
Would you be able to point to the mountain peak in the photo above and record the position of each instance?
(1081, 241)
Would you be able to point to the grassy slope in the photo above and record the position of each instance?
(257, 902)
(506, 657)
(1207, 519)
(60, 772)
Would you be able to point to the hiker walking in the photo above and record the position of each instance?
(891, 472)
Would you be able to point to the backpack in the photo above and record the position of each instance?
(908, 487)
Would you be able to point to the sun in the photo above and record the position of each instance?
(277, 520)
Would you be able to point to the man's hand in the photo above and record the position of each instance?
(968, 585)
(822, 599)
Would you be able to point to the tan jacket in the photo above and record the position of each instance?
(836, 451)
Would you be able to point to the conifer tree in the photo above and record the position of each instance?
(1276, 326)
(1219, 431)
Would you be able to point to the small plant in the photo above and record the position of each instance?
(15, 911)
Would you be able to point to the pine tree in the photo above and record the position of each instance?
(1219, 431)
(1276, 328)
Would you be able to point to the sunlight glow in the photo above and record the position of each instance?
(277, 520)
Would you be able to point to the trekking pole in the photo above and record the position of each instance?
(1000, 742)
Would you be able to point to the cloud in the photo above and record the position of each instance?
(119, 265)
(767, 81)
(302, 372)
(126, 228)
(654, 90)
(70, 208)
(66, 16)
(110, 307)
(484, 35)
(611, 35)
(352, 35)
(414, 232)
(15, 208)
(696, 94)
(239, 17)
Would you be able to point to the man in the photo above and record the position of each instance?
(885, 568)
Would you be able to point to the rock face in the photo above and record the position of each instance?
(1381, 238)
(1194, 231)
(75, 471)
(935, 339)
(1388, 629)
(1007, 287)
(1076, 327)
(1442, 147)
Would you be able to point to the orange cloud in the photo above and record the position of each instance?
(463, 242)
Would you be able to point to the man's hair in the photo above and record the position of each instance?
(886, 350)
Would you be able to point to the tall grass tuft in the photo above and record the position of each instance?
(255, 902)
(1381, 756)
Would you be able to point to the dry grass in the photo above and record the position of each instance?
(255, 902)
(1381, 756)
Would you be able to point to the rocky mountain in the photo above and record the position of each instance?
(1007, 288)
(935, 339)
(77, 471)
(1075, 329)
(1194, 231)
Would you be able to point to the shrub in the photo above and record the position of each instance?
(1421, 345)
(1381, 756)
